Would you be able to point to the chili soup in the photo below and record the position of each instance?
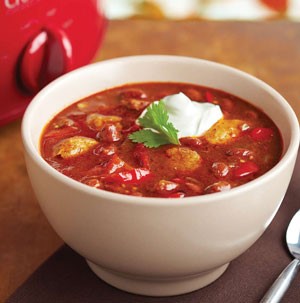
(92, 141)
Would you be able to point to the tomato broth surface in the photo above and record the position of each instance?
(88, 141)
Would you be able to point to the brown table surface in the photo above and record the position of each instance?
(267, 50)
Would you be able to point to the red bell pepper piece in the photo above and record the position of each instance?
(178, 194)
(261, 133)
(245, 169)
(209, 97)
(130, 176)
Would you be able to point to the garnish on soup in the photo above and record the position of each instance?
(168, 140)
(157, 128)
(165, 121)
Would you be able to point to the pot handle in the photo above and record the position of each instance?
(47, 56)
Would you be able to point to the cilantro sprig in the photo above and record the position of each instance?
(157, 130)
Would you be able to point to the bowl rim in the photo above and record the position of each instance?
(34, 153)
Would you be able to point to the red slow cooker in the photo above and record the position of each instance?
(41, 40)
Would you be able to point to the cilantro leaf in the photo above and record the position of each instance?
(148, 138)
(157, 128)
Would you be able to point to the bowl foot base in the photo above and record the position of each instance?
(157, 287)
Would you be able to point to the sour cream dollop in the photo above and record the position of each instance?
(189, 117)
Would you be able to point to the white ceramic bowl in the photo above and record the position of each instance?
(157, 246)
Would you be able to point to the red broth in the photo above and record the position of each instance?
(88, 141)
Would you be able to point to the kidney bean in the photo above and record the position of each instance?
(109, 133)
(220, 169)
(107, 165)
(197, 189)
(135, 104)
(245, 169)
(164, 187)
(261, 133)
(217, 187)
(240, 152)
(133, 93)
(191, 141)
(105, 150)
